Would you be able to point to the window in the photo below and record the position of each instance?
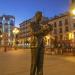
(6, 30)
(55, 31)
(66, 29)
(74, 34)
(55, 24)
(74, 25)
(0, 22)
(60, 30)
(0, 26)
(12, 22)
(66, 21)
(61, 37)
(60, 23)
(56, 38)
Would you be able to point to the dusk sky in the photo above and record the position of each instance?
(25, 9)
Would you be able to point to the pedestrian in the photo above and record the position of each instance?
(37, 45)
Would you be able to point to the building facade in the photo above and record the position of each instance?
(63, 28)
(25, 34)
(64, 25)
(7, 23)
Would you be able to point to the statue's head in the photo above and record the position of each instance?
(38, 16)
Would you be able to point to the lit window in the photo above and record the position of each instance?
(60, 23)
(55, 24)
(66, 29)
(66, 21)
(60, 30)
(74, 25)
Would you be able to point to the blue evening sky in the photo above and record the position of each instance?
(25, 9)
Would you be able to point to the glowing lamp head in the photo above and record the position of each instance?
(73, 11)
(1, 36)
(15, 31)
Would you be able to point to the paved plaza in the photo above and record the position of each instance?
(17, 62)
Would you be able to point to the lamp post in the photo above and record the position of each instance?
(15, 32)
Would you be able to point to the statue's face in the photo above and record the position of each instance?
(38, 16)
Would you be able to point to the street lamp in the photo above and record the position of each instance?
(73, 11)
(0, 36)
(15, 32)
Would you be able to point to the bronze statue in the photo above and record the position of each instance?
(37, 44)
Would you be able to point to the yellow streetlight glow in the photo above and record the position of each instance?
(73, 11)
(47, 37)
(15, 31)
(71, 36)
(1, 36)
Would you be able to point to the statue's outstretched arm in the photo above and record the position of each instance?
(43, 31)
